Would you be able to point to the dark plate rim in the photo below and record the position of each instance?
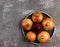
(29, 15)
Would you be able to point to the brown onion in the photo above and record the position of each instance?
(37, 17)
(31, 36)
(48, 24)
(27, 24)
(43, 37)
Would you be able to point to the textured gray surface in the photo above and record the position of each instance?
(12, 12)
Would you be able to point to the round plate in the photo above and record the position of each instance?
(29, 16)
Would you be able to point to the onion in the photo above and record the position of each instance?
(31, 36)
(37, 17)
(27, 24)
(43, 37)
(48, 24)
